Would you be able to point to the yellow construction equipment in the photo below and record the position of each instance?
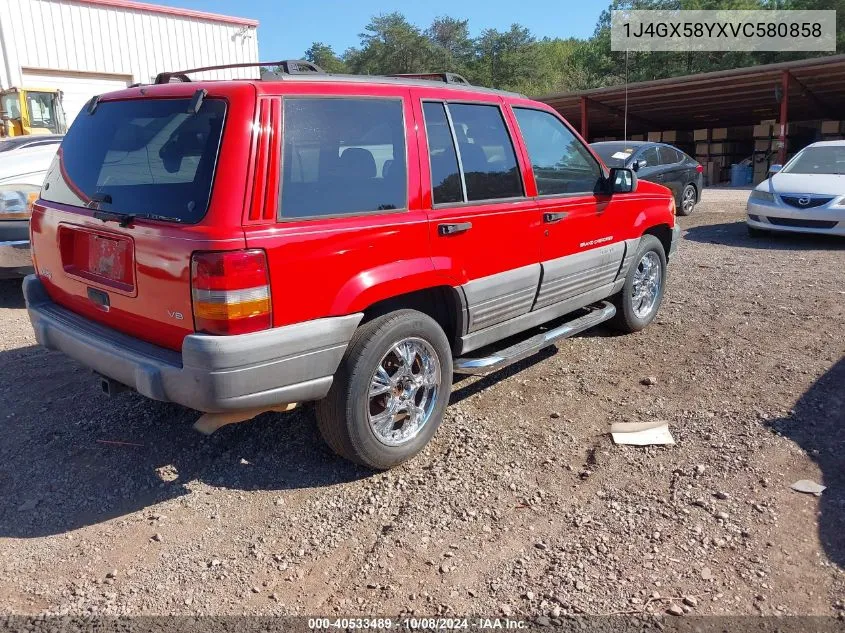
(31, 111)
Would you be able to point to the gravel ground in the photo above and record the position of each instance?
(521, 505)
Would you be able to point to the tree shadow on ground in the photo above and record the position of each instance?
(71, 456)
(736, 234)
(818, 427)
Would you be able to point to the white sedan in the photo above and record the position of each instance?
(22, 173)
(806, 196)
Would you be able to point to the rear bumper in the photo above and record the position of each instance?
(294, 363)
(15, 257)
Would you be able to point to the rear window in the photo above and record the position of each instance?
(145, 157)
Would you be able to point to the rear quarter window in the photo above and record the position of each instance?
(342, 156)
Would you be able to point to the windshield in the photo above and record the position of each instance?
(42, 110)
(142, 157)
(613, 154)
(825, 159)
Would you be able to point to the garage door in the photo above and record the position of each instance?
(76, 88)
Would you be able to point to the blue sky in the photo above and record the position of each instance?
(288, 27)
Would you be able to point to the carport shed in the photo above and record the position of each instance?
(763, 113)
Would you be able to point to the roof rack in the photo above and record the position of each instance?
(449, 78)
(287, 66)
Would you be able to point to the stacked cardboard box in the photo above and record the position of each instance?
(674, 137)
(833, 130)
(761, 168)
(765, 144)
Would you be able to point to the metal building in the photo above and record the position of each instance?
(87, 47)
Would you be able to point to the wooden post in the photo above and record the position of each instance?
(585, 125)
(784, 115)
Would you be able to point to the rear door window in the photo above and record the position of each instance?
(147, 157)
(342, 156)
(670, 156)
(446, 184)
(486, 152)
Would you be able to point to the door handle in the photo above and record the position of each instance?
(453, 229)
(554, 217)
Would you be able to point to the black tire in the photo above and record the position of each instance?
(753, 231)
(626, 319)
(689, 191)
(343, 415)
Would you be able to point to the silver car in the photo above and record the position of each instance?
(806, 196)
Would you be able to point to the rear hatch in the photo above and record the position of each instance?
(135, 189)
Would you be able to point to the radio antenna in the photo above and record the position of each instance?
(625, 134)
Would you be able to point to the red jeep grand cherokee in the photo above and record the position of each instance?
(234, 246)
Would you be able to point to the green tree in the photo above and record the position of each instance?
(324, 56)
(507, 59)
(390, 44)
(452, 47)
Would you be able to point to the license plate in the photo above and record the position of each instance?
(107, 257)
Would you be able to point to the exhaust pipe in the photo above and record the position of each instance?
(112, 387)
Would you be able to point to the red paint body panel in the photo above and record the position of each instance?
(162, 250)
(327, 266)
(504, 235)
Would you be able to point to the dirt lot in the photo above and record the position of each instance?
(521, 505)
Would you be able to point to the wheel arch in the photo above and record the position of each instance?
(443, 303)
(662, 232)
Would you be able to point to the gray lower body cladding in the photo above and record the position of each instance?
(565, 284)
(573, 275)
(213, 373)
(500, 297)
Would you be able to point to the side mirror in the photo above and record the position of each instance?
(622, 180)
(773, 169)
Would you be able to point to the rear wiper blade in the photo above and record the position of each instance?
(123, 219)
(153, 216)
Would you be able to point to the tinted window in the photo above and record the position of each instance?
(445, 177)
(649, 156)
(144, 157)
(560, 161)
(613, 154)
(670, 156)
(342, 156)
(487, 154)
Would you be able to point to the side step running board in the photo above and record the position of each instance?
(488, 364)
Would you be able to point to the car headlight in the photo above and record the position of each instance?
(16, 201)
(762, 195)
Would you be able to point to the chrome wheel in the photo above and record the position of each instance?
(688, 200)
(403, 391)
(646, 287)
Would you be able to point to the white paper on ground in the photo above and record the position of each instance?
(810, 487)
(641, 433)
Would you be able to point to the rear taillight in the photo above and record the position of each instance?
(699, 168)
(231, 292)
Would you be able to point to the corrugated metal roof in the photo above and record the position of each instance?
(741, 96)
